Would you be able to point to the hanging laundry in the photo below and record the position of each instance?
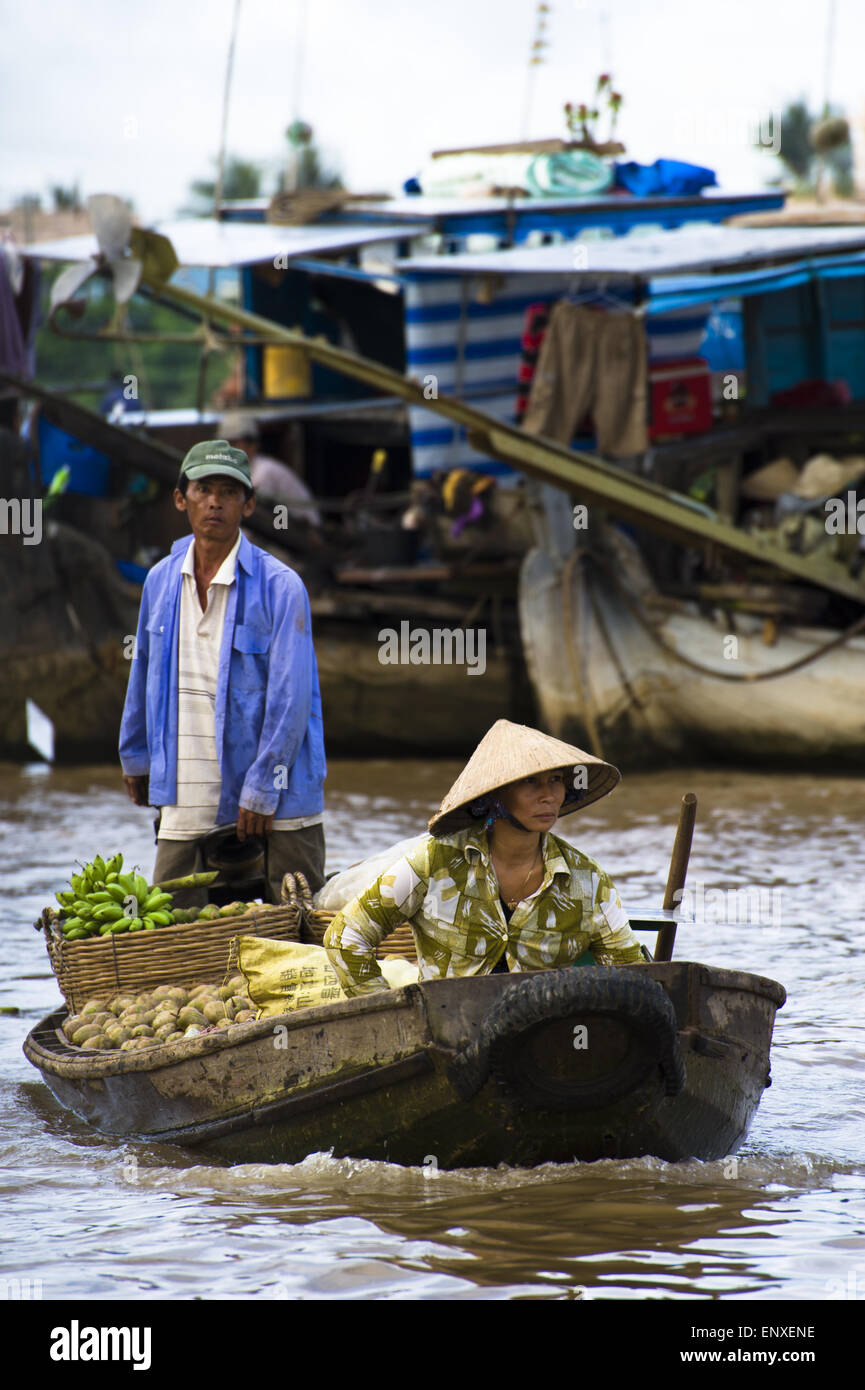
(13, 345)
(594, 360)
(534, 328)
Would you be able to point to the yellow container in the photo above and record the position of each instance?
(287, 372)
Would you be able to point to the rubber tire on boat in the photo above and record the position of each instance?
(550, 995)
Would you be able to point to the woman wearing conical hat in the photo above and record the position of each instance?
(491, 888)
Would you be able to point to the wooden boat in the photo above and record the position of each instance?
(613, 661)
(667, 1058)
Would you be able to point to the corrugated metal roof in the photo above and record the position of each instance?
(690, 248)
(205, 242)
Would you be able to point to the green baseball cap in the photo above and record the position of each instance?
(216, 457)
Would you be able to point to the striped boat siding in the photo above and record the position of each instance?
(442, 309)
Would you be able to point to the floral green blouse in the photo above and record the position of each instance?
(448, 891)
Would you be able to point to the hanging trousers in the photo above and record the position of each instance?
(592, 360)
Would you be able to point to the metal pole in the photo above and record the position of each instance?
(217, 193)
(226, 97)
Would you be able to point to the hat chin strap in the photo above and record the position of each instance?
(498, 811)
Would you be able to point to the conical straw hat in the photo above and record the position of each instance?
(825, 476)
(768, 483)
(507, 753)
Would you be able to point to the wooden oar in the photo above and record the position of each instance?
(678, 871)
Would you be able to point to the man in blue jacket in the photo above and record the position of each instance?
(222, 722)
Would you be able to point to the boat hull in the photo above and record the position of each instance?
(374, 1078)
(602, 680)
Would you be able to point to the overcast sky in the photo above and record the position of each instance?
(128, 99)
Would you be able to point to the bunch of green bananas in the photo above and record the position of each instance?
(104, 901)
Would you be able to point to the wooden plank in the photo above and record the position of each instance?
(553, 146)
(132, 451)
(803, 213)
(416, 574)
(307, 1101)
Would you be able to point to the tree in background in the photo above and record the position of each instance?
(830, 138)
(812, 146)
(156, 376)
(66, 199)
(242, 179)
(306, 168)
(245, 178)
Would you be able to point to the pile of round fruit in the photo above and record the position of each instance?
(104, 901)
(168, 1013)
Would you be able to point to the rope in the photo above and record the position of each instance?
(668, 647)
(605, 631)
(580, 677)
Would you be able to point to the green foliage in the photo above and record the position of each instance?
(241, 179)
(167, 373)
(307, 168)
(579, 119)
(66, 199)
(312, 173)
(799, 157)
(299, 133)
(795, 149)
(245, 178)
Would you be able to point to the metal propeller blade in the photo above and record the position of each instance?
(112, 227)
(69, 282)
(112, 224)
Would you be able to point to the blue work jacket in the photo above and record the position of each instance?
(269, 733)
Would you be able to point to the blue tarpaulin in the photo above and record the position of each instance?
(88, 469)
(665, 178)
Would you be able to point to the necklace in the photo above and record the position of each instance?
(512, 902)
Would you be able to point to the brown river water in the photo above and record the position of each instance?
(87, 1217)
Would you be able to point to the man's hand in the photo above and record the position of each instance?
(138, 789)
(251, 823)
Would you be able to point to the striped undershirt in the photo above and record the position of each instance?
(199, 780)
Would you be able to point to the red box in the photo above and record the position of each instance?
(681, 397)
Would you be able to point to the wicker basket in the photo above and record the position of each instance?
(314, 922)
(191, 953)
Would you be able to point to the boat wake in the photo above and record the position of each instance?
(763, 1171)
